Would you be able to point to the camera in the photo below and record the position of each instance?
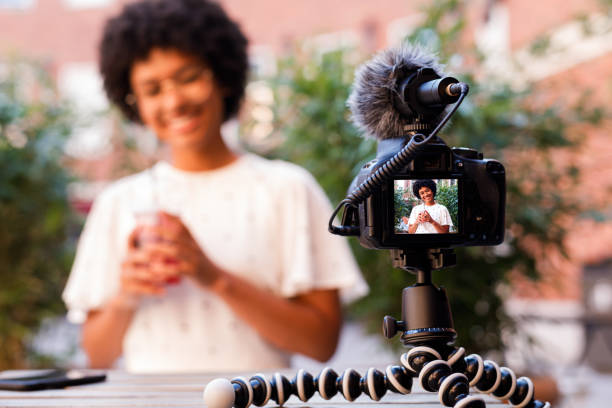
(418, 193)
(468, 198)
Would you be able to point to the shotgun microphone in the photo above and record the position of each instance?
(399, 90)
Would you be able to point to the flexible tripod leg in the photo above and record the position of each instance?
(452, 377)
(436, 375)
(258, 390)
(450, 374)
(427, 327)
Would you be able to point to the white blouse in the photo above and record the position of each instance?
(265, 221)
(438, 212)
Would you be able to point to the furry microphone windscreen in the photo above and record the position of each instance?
(377, 81)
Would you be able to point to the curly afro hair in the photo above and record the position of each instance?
(417, 185)
(197, 27)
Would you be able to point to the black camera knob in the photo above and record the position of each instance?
(495, 167)
(392, 326)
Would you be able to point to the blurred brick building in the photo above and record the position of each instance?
(64, 34)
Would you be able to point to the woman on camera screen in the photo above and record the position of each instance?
(428, 217)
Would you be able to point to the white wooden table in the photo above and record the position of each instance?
(185, 390)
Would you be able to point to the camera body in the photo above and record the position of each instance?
(472, 191)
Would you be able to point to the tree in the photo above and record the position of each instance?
(35, 252)
(311, 117)
(448, 196)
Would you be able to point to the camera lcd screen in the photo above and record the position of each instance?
(426, 206)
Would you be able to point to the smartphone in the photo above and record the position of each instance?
(32, 380)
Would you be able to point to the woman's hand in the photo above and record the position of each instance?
(137, 279)
(425, 217)
(176, 253)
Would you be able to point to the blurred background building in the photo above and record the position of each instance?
(569, 313)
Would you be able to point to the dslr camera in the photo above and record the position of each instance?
(468, 192)
(418, 193)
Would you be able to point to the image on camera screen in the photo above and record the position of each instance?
(426, 206)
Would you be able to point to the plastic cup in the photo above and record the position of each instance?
(146, 220)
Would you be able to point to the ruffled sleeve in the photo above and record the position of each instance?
(313, 258)
(413, 214)
(94, 277)
(446, 218)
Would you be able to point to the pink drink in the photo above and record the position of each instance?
(146, 221)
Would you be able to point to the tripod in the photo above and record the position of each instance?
(427, 329)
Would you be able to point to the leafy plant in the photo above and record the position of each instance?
(35, 252)
(402, 206)
(448, 196)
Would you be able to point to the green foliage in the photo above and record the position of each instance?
(311, 114)
(310, 94)
(35, 253)
(448, 196)
(402, 206)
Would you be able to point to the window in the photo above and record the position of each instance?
(17, 4)
(84, 4)
(81, 84)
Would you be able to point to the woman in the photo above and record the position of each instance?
(428, 217)
(217, 285)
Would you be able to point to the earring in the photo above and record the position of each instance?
(130, 99)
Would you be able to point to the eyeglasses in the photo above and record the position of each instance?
(191, 78)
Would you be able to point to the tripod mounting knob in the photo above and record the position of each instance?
(391, 326)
